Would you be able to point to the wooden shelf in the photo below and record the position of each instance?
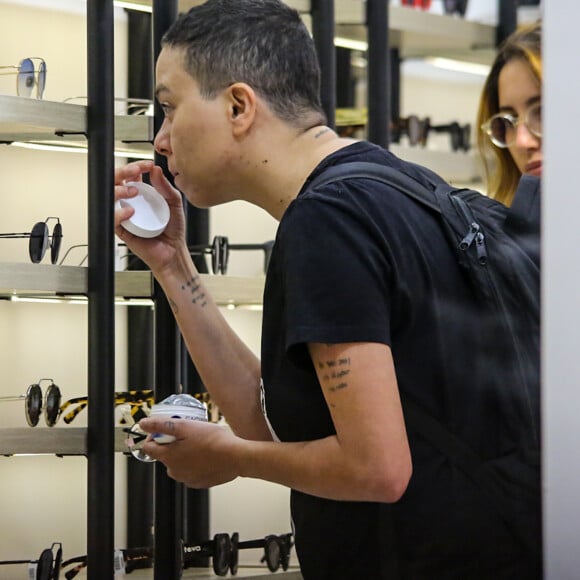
(28, 120)
(20, 280)
(419, 33)
(51, 441)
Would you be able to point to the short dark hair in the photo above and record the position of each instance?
(263, 43)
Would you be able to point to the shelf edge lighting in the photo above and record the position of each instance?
(132, 6)
(74, 149)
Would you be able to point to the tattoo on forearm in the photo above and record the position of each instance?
(193, 286)
(334, 373)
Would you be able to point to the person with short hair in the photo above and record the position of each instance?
(364, 302)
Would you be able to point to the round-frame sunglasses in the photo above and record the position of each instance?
(33, 403)
(40, 239)
(47, 567)
(28, 76)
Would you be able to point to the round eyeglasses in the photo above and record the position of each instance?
(502, 127)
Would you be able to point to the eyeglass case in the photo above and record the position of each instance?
(151, 211)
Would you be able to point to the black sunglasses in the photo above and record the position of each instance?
(220, 252)
(455, 7)
(277, 549)
(460, 135)
(125, 561)
(33, 403)
(48, 565)
(40, 239)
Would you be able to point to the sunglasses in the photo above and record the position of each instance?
(139, 401)
(460, 135)
(277, 550)
(28, 76)
(33, 403)
(455, 7)
(502, 128)
(125, 561)
(415, 128)
(219, 250)
(133, 106)
(40, 239)
(423, 4)
(48, 565)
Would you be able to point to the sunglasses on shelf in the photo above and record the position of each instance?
(277, 549)
(140, 402)
(40, 239)
(423, 4)
(134, 106)
(455, 7)
(125, 561)
(415, 128)
(28, 76)
(460, 134)
(47, 567)
(219, 250)
(33, 403)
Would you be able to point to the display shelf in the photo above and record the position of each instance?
(51, 441)
(246, 572)
(20, 280)
(419, 33)
(26, 120)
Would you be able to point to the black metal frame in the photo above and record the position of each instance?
(101, 313)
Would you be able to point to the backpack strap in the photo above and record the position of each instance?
(386, 174)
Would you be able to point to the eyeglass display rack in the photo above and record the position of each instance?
(413, 32)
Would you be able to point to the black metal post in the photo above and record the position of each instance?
(377, 19)
(101, 312)
(322, 12)
(140, 321)
(168, 493)
(395, 90)
(507, 19)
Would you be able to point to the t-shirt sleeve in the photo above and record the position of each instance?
(337, 272)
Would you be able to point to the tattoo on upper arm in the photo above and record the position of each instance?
(193, 286)
(334, 373)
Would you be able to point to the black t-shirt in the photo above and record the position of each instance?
(358, 261)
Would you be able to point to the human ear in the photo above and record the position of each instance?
(241, 107)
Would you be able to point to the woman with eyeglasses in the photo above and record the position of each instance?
(510, 113)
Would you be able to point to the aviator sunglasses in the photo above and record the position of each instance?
(28, 76)
(40, 239)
